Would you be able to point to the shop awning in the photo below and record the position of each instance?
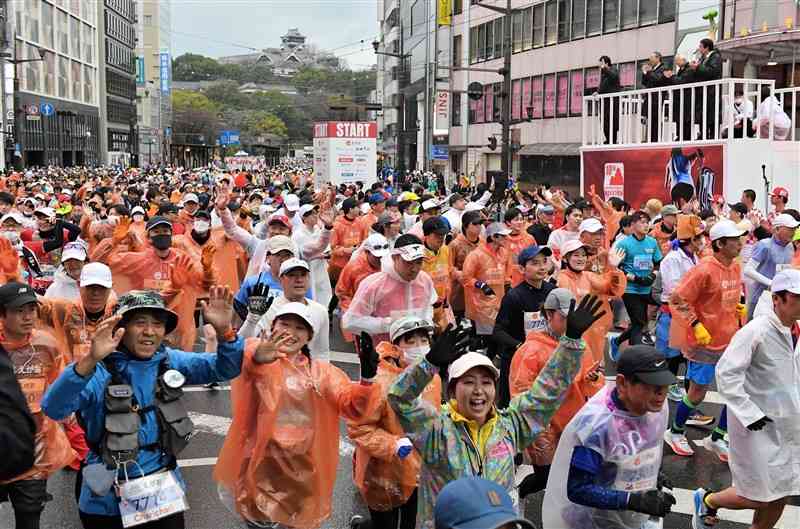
(784, 46)
(550, 149)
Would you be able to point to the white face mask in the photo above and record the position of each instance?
(201, 226)
(413, 354)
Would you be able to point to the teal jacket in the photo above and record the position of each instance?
(442, 437)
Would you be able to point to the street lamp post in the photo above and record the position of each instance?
(6, 57)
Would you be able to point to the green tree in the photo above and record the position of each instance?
(194, 117)
(192, 67)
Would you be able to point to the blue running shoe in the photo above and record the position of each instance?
(702, 514)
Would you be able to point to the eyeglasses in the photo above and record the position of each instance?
(379, 247)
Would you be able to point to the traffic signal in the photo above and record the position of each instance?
(492, 142)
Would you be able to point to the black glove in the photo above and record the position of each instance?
(581, 318)
(759, 424)
(448, 347)
(645, 281)
(367, 356)
(652, 502)
(663, 481)
(258, 302)
(483, 287)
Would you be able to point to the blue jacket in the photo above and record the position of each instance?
(72, 393)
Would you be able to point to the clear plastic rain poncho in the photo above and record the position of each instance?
(631, 448)
(278, 463)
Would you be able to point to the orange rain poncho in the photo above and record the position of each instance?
(349, 279)
(437, 266)
(66, 321)
(345, 236)
(459, 249)
(528, 361)
(384, 480)
(708, 293)
(515, 244)
(608, 214)
(279, 458)
(492, 268)
(608, 284)
(230, 260)
(37, 363)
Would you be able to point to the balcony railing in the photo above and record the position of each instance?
(696, 112)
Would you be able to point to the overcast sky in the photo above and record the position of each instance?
(215, 27)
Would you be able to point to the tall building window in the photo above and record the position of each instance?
(457, 50)
(538, 25)
(666, 11)
(610, 15)
(88, 84)
(63, 77)
(516, 19)
(564, 17)
(527, 28)
(490, 51)
(76, 81)
(32, 20)
(50, 74)
(594, 16)
(458, 7)
(630, 14)
(88, 47)
(47, 25)
(551, 22)
(578, 18)
(75, 37)
(481, 42)
(455, 110)
(473, 45)
(33, 75)
(648, 12)
(63, 31)
(499, 36)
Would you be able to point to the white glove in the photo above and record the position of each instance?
(403, 447)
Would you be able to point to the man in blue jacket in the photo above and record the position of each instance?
(126, 394)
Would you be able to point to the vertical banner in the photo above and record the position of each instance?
(550, 95)
(165, 71)
(443, 10)
(516, 99)
(140, 71)
(562, 94)
(441, 113)
(537, 94)
(576, 99)
(526, 96)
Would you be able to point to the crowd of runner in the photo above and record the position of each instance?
(481, 318)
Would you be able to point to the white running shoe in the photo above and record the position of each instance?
(676, 393)
(678, 443)
(719, 447)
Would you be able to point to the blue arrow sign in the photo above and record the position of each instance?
(46, 109)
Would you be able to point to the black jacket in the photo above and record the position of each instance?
(17, 429)
(609, 81)
(711, 67)
(683, 75)
(540, 232)
(655, 78)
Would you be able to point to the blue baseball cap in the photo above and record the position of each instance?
(376, 198)
(532, 251)
(476, 503)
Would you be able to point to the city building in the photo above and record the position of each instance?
(154, 80)
(50, 90)
(117, 37)
(294, 53)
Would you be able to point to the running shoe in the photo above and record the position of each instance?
(719, 447)
(697, 418)
(213, 385)
(676, 393)
(678, 443)
(613, 349)
(357, 521)
(648, 340)
(702, 517)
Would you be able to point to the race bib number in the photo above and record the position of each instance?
(33, 389)
(150, 498)
(642, 262)
(156, 284)
(533, 322)
(638, 472)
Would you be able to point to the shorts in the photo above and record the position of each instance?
(663, 323)
(699, 373)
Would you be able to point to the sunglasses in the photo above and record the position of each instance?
(379, 247)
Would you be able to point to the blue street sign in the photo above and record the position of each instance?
(46, 109)
(229, 137)
(439, 152)
(165, 72)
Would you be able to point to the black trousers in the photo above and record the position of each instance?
(611, 120)
(27, 498)
(636, 305)
(403, 517)
(93, 521)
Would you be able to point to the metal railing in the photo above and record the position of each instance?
(790, 101)
(709, 111)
